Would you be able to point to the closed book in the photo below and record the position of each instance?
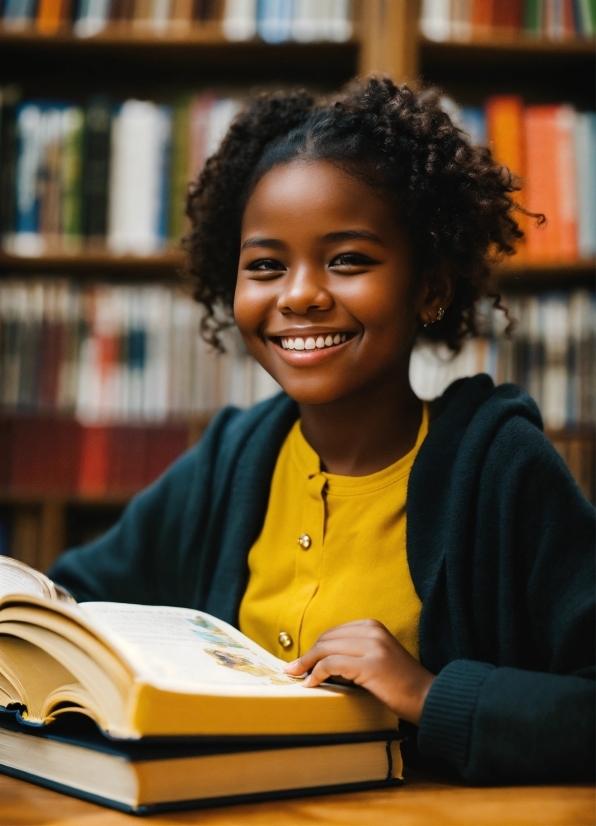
(507, 15)
(73, 122)
(482, 17)
(150, 671)
(29, 128)
(92, 479)
(585, 171)
(179, 177)
(240, 19)
(9, 97)
(505, 133)
(274, 20)
(142, 778)
(551, 182)
(127, 446)
(96, 165)
(49, 16)
(163, 445)
(435, 19)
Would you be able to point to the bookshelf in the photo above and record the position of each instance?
(386, 38)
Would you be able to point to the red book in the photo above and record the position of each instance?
(126, 465)
(93, 467)
(549, 150)
(164, 445)
(507, 15)
(44, 454)
(482, 17)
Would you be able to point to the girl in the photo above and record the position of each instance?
(440, 556)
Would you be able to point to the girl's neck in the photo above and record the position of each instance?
(363, 434)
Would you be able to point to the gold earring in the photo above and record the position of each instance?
(440, 314)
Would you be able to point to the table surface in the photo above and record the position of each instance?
(420, 801)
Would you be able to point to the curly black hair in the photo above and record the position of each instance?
(455, 202)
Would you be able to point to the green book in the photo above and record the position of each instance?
(73, 123)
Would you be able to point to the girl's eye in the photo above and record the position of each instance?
(351, 259)
(265, 265)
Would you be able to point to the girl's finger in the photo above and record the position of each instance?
(350, 646)
(336, 665)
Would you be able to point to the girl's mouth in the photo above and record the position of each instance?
(318, 342)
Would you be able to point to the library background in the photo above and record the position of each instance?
(109, 107)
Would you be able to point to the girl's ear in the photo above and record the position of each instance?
(437, 293)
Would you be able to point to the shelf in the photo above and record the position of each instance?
(511, 44)
(165, 265)
(169, 263)
(203, 53)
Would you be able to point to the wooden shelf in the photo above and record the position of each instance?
(203, 53)
(169, 263)
(511, 44)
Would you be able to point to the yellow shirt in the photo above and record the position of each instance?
(351, 562)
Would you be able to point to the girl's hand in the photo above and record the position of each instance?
(364, 652)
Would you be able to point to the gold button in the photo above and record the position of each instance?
(305, 541)
(285, 640)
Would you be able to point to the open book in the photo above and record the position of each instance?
(141, 671)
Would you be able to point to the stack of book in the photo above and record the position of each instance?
(552, 149)
(145, 708)
(105, 174)
(466, 20)
(274, 21)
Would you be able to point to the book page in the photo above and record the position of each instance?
(18, 578)
(180, 647)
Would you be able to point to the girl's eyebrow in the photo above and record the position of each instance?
(331, 237)
(260, 241)
(351, 234)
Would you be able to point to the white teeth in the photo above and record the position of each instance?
(311, 343)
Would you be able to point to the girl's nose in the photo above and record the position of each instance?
(302, 291)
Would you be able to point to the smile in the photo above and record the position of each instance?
(319, 342)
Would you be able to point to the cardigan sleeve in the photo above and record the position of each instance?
(531, 721)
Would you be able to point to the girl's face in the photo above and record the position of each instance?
(324, 298)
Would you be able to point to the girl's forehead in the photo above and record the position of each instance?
(319, 189)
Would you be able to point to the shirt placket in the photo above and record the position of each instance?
(308, 559)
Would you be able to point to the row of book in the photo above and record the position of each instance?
(552, 149)
(105, 174)
(464, 20)
(551, 353)
(116, 175)
(120, 353)
(107, 353)
(273, 21)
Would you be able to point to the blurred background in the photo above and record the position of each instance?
(109, 107)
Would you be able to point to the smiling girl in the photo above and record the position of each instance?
(440, 556)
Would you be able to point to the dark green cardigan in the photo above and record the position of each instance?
(500, 544)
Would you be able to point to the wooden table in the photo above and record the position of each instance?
(420, 802)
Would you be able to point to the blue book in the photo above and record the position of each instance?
(274, 20)
(474, 124)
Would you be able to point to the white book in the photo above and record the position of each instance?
(435, 19)
(93, 17)
(585, 171)
(161, 16)
(30, 132)
(221, 115)
(461, 19)
(304, 22)
(555, 326)
(340, 21)
(140, 134)
(157, 312)
(240, 19)
(68, 372)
